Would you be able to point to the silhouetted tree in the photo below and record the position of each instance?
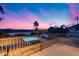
(51, 30)
(3, 34)
(55, 32)
(63, 26)
(2, 11)
(36, 24)
(77, 19)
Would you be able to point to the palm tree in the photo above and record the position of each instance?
(77, 19)
(2, 11)
(36, 24)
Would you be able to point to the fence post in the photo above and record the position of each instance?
(7, 52)
(40, 42)
(40, 45)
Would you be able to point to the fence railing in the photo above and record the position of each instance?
(23, 46)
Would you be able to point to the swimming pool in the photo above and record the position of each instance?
(25, 41)
(30, 39)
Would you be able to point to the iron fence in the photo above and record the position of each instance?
(17, 46)
(25, 46)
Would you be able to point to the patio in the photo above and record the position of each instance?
(58, 50)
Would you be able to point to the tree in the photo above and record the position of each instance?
(36, 24)
(77, 19)
(2, 11)
(63, 26)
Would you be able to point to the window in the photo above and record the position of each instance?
(76, 28)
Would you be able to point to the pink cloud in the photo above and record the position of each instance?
(73, 10)
(20, 20)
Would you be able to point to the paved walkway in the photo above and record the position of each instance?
(64, 47)
(58, 50)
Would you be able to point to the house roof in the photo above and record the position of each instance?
(74, 25)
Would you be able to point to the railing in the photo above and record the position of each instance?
(71, 39)
(16, 46)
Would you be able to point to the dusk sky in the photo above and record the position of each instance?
(22, 16)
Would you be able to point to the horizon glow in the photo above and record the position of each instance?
(23, 15)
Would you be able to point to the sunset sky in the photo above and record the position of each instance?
(22, 16)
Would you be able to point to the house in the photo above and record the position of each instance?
(73, 33)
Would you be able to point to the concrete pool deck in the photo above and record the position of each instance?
(58, 50)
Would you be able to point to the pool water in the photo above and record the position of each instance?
(30, 39)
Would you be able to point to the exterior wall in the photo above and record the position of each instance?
(56, 35)
(73, 32)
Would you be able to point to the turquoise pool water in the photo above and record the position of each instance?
(30, 38)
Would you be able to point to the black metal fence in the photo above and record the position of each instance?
(17, 46)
